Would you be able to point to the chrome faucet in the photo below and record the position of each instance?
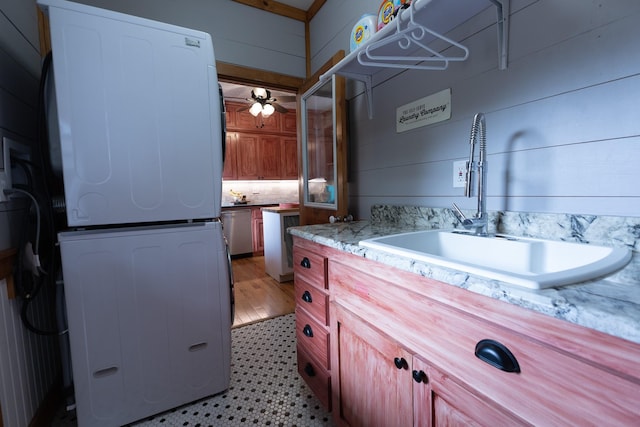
(480, 220)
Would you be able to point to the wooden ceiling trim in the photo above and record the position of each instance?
(253, 76)
(314, 8)
(277, 8)
(310, 81)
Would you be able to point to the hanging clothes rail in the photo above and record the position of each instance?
(403, 40)
(407, 43)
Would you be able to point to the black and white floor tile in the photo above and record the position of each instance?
(265, 389)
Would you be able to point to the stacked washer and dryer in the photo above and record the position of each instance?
(145, 268)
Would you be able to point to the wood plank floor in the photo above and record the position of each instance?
(257, 295)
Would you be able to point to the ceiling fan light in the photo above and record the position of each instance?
(255, 109)
(268, 110)
(260, 92)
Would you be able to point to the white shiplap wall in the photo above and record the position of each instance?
(563, 121)
(28, 362)
(242, 35)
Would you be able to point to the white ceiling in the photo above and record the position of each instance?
(239, 93)
(300, 4)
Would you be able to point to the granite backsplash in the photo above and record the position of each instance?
(589, 229)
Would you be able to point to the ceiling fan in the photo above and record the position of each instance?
(262, 102)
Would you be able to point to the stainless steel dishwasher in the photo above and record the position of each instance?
(236, 225)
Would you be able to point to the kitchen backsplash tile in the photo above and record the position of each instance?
(265, 191)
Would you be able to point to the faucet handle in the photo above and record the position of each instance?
(458, 213)
(466, 222)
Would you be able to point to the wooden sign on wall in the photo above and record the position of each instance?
(425, 111)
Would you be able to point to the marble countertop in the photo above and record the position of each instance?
(278, 209)
(246, 205)
(610, 304)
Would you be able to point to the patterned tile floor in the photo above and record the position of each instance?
(265, 389)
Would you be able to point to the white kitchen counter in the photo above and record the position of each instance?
(278, 244)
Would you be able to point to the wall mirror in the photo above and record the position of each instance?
(318, 107)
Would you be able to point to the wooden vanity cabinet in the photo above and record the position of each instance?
(567, 374)
(384, 384)
(312, 320)
(374, 372)
(438, 400)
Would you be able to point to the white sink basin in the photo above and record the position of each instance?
(532, 263)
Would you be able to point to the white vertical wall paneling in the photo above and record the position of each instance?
(14, 396)
(28, 364)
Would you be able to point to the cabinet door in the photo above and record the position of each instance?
(258, 156)
(323, 187)
(247, 156)
(289, 158)
(288, 122)
(269, 124)
(374, 375)
(244, 120)
(439, 401)
(269, 157)
(230, 170)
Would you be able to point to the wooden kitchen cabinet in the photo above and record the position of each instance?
(289, 122)
(258, 156)
(269, 157)
(245, 121)
(230, 170)
(289, 158)
(247, 156)
(260, 152)
(566, 374)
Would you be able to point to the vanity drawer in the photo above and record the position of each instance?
(313, 300)
(316, 377)
(310, 267)
(313, 337)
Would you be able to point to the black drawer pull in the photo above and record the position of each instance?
(401, 363)
(305, 262)
(306, 297)
(420, 377)
(497, 355)
(308, 369)
(307, 331)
